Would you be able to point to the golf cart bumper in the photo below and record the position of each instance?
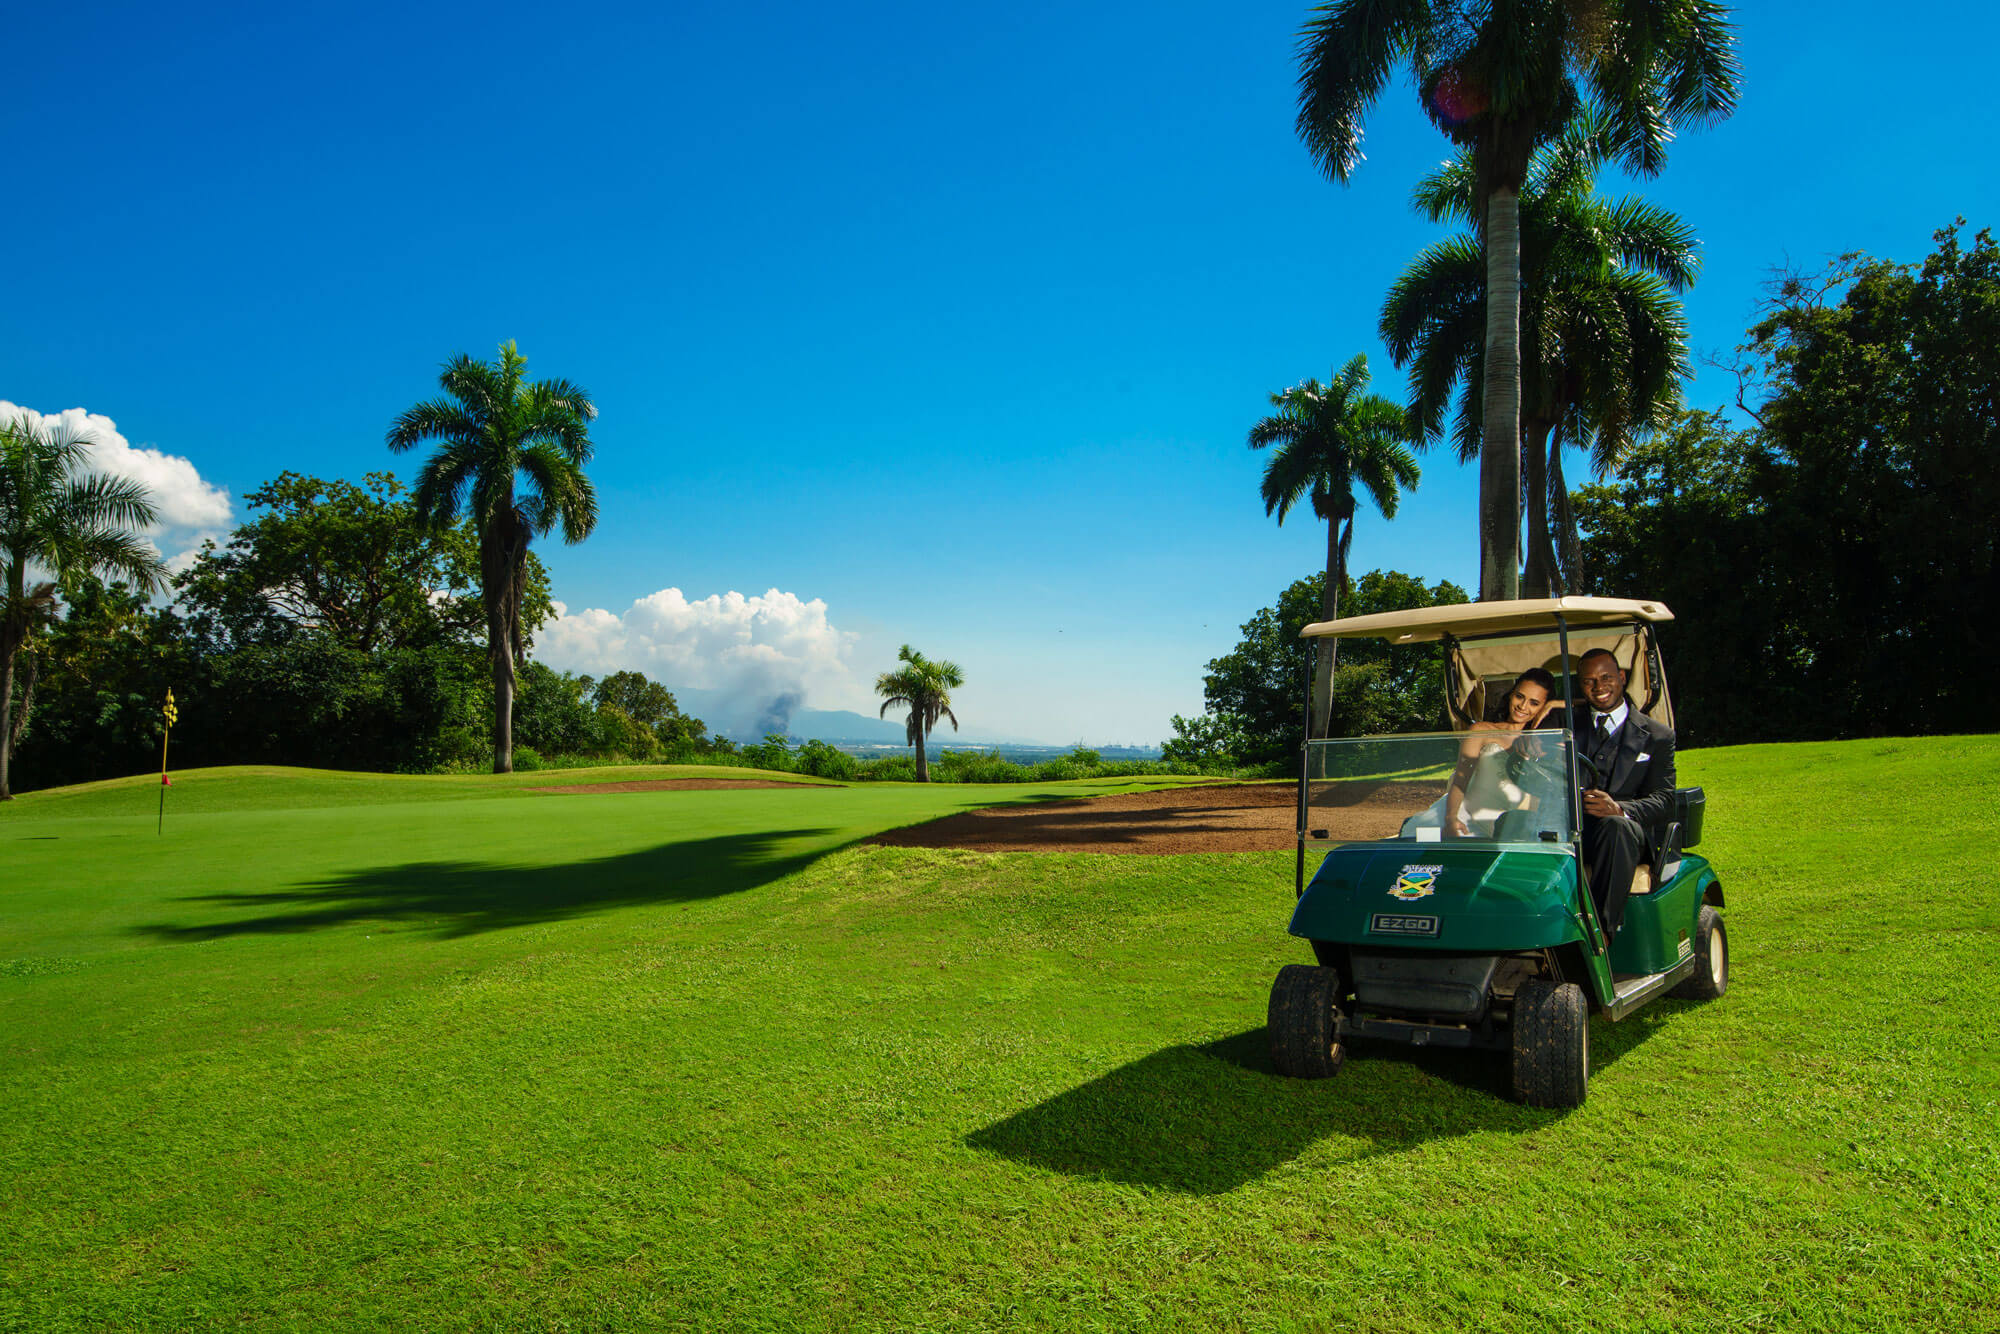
(1466, 897)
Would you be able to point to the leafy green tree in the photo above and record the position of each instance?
(774, 753)
(642, 699)
(349, 560)
(1208, 741)
(1324, 440)
(1829, 569)
(1500, 78)
(822, 760)
(497, 431)
(1604, 340)
(95, 679)
(1252, 692)
(651, 706)
(555, 714)
(1685, 517)
(619, 733)
(922, 687)
(58, 518)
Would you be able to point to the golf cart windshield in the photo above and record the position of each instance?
(1489, 785)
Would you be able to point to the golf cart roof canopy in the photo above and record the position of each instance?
(1422, 624)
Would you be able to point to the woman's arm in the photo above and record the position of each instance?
(1469, 752)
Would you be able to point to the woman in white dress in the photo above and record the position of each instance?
(1481, 788)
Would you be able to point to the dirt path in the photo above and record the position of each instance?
(667, 785)
(1260, 817)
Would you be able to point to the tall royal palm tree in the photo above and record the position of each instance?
(1603, 337)
(496, 431)
(1501, 78)
(64, 522)
(1328, 438)
(924, 688)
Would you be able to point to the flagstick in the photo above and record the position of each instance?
(163, 784)
(167, 716)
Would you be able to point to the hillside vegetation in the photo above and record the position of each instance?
(439, 1053)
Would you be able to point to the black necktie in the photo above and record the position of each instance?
(1597, 747)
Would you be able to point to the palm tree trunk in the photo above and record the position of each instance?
(503, 548)
(7, 651)
(1500, 444)
(503, 716)
(1329, 610)
(923, 765)
(1565, 520)
(1540, 579)
(13, 634)
(500, 657)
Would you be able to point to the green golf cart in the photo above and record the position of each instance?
(1450, 908)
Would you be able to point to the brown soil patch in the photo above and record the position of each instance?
(1236, 817)
(668, 785)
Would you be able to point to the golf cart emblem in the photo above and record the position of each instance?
(1415, 882)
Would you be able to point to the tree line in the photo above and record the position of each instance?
(336, 628)
(1831, 560)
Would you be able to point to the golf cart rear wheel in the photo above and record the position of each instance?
(1551, 1044)
(1711, 948)
(1301, 1025)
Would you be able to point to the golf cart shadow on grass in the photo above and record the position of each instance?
(1204, 1120)
(462, 898)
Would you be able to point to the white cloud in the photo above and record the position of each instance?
(752, 649)
(190, 509)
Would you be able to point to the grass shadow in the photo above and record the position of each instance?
(461, 898)
(1206, 1119)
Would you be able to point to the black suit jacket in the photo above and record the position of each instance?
(1642, 766)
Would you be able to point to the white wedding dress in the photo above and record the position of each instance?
(1489, 794)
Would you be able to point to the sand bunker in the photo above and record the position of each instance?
(1236, 817)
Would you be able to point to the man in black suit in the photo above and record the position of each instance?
(1632, 791)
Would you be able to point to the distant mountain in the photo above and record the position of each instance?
(748, 718)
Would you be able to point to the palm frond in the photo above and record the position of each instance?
(1346, 52)
(1450, 192)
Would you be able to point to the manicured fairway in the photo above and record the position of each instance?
(344, 1051)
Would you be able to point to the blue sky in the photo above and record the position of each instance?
(945, 324)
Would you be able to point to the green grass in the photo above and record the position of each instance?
(355, 1051)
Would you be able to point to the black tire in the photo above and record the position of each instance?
(1711, 949)
(1301, 1026)
(1551, 1044)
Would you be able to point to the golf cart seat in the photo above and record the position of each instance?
(1681, 832)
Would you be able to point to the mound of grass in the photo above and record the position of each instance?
(439, 1059)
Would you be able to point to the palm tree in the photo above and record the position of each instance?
(66, 523)
(1604, 340)
(495, 429)
(1328, 438)
(924, 688)
(1501, 78)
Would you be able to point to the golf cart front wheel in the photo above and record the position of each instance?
(1304, 1044)
(1551, 1044)
(1711, 947)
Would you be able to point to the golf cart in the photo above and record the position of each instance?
(1452, 911)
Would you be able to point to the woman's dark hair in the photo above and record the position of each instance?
(1540, 677)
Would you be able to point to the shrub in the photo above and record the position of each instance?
(823, 761)
(891, 769)
(774, 753)
(526, 759)
(970, 766)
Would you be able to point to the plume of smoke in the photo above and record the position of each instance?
(777, 715)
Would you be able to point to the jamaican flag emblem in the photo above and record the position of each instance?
(1415, 882)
